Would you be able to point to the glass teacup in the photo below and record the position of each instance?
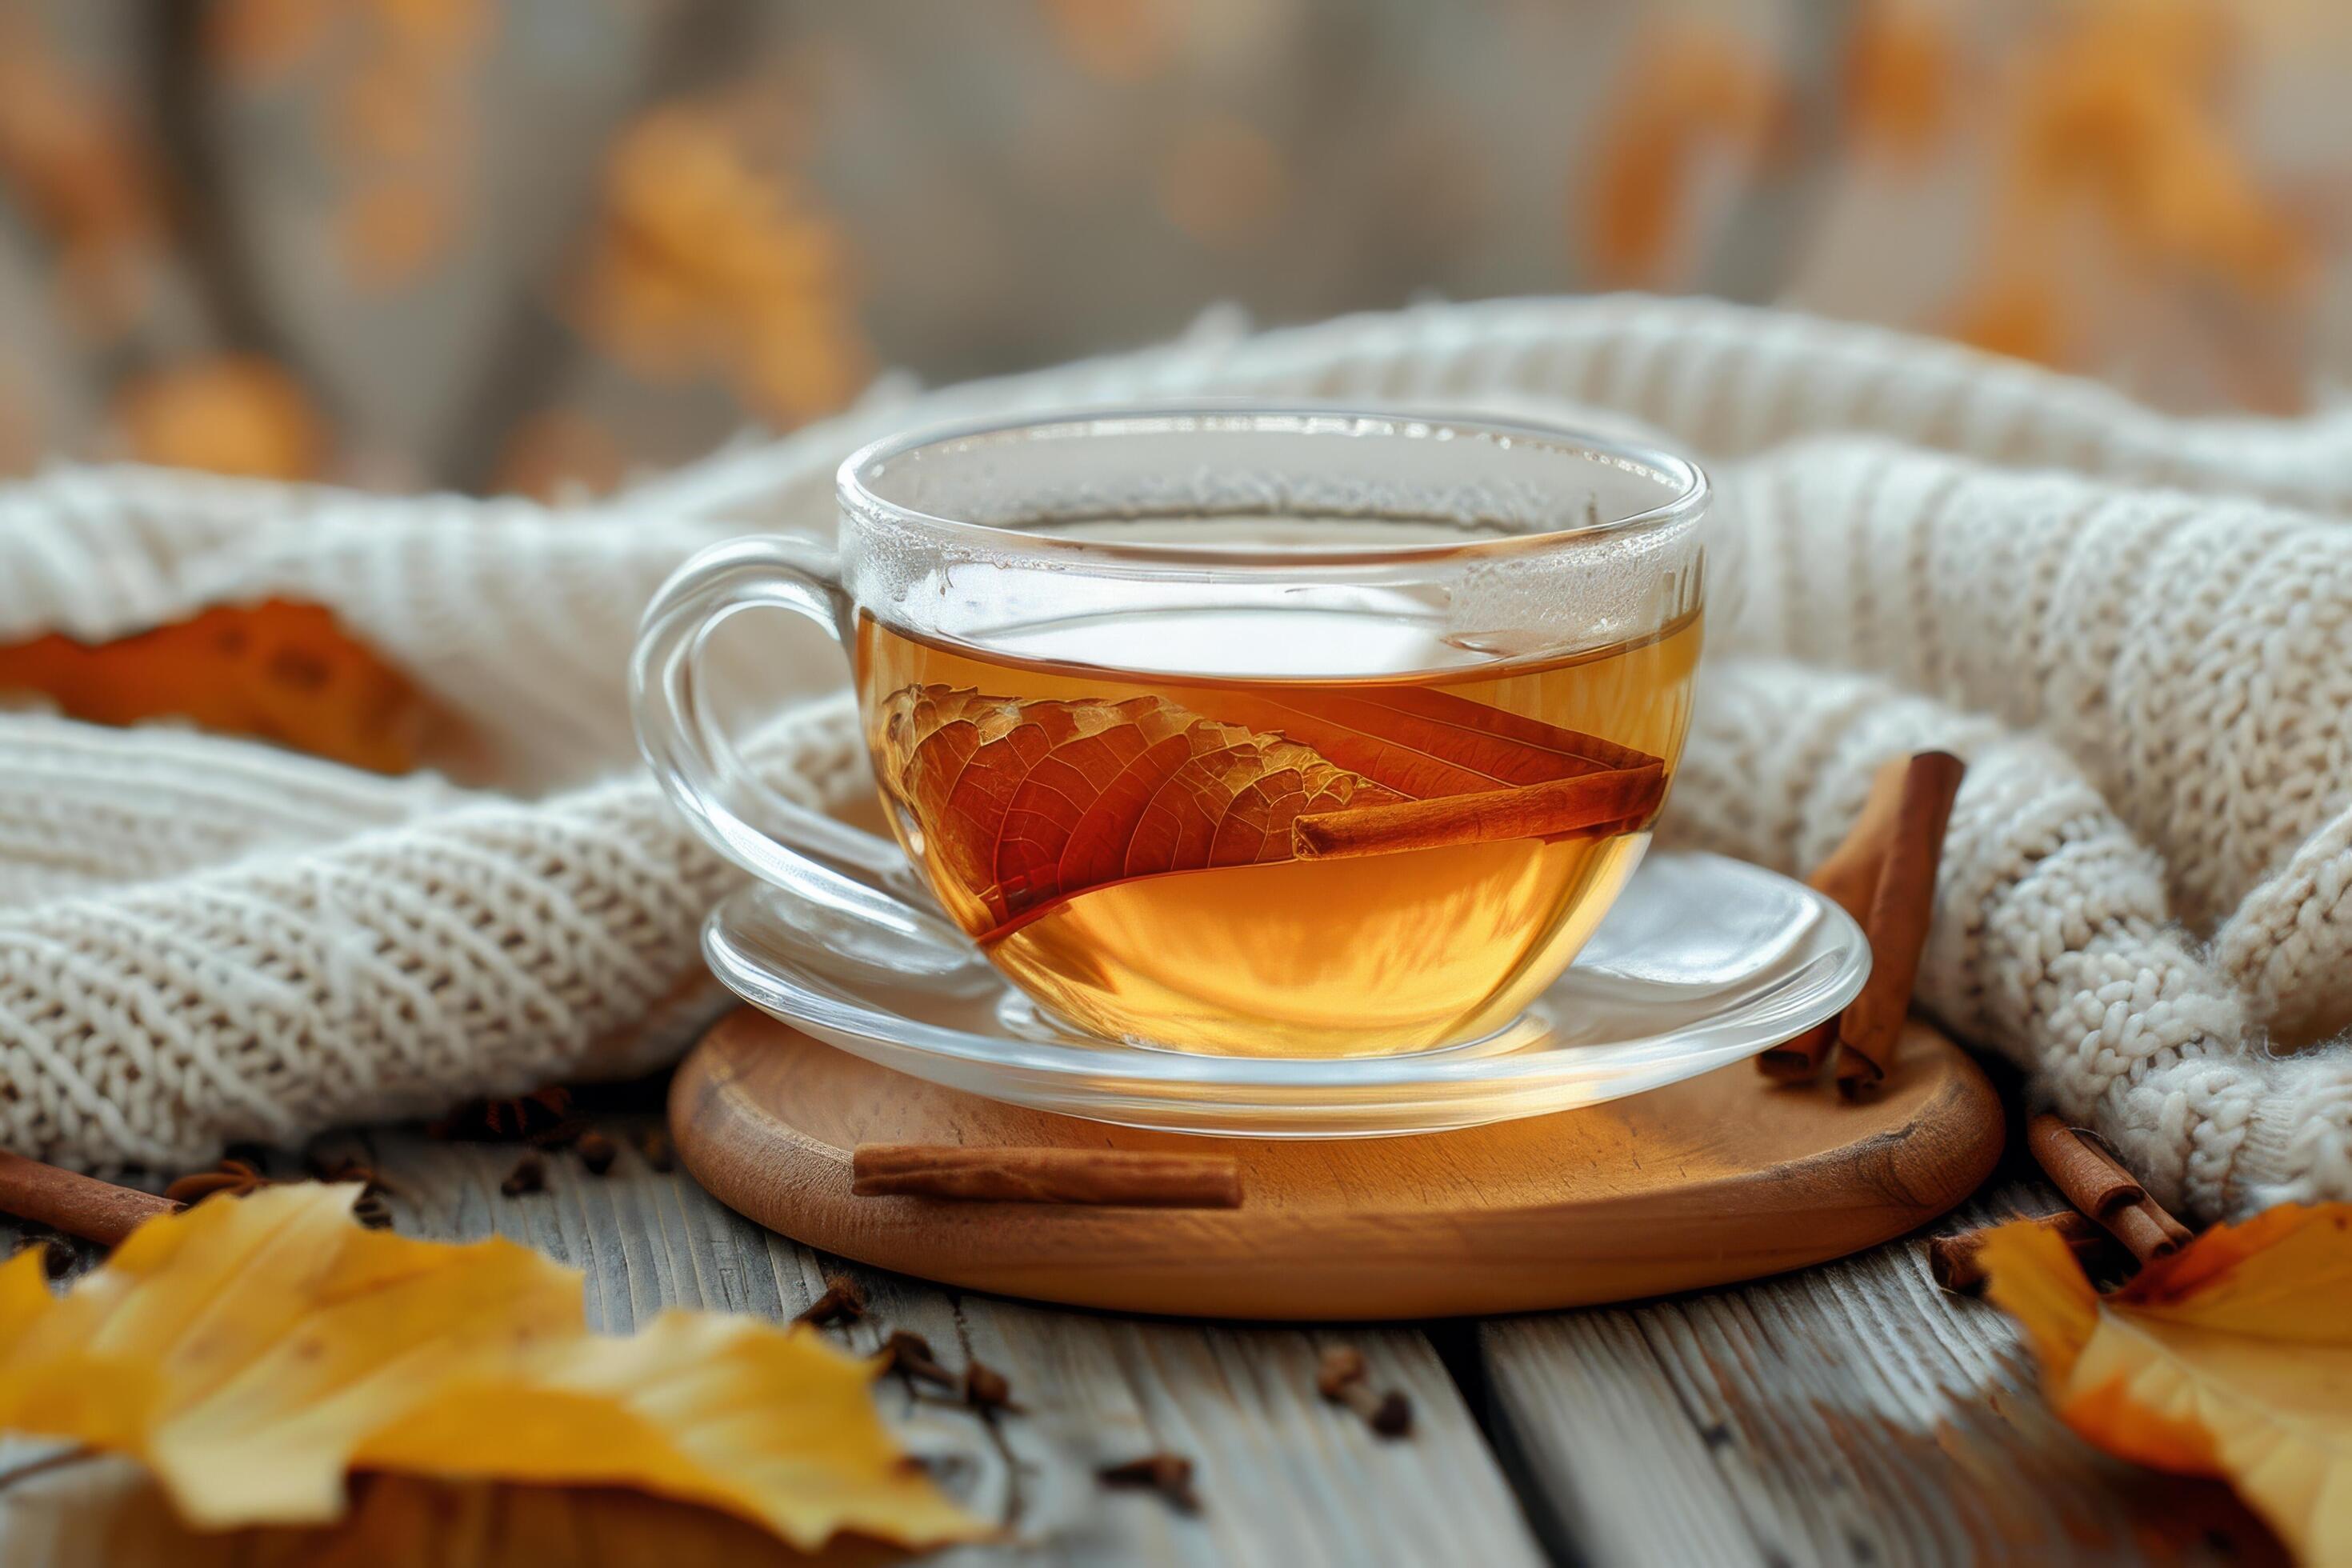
(1269, 731)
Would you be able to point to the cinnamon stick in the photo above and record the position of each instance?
(1901, 908)
(1955, 1264)
(1588, 801)
(1849, 875)
(2091, 1180)
(1124, 1178)
(1798, 1059)
(76, 1204)
(2094, 1183)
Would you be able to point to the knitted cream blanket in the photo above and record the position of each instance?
(2137, 630)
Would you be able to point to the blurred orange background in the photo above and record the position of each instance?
(540, 245)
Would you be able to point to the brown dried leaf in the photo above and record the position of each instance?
(1689, 89)
(1029, 802)
(276, 671)
(710, 258)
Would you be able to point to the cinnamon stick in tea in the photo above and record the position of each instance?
(1901, 908)
(1030, 802)
(1588, 801)
(76, 1204)
(2094, 1183)
(1123, 1178)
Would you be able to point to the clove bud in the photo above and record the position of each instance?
(1344, 1377)
(1170, 1475)
(985, 1388)
(530, 1175)
(844, 1301)
(235, 1177)
(595, 1151)
(910, 1354)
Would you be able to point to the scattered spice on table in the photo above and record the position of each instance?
(370, 1208)
(530, 1175)
(510, 1119)
(1344, 1377)
(909, 1354)
(595, 1151)
(233, 1176)
(985, 1388)
(343, 1168)
(844, 1301)
(562, 1135)
(1170, 1475)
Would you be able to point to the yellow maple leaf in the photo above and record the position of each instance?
(2231, 1358)
(251, 1351)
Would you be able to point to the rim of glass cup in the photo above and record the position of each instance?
(1686, 480)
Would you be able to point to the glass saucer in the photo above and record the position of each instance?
(1701, 962)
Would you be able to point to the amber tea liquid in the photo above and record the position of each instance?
(1164, 838)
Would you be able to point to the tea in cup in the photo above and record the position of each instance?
(1291, 732)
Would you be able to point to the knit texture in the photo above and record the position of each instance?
(2138, 629)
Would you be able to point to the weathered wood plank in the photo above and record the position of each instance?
(1848, 1414)
(1283, 1477)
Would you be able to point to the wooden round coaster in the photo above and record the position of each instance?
(1720, 1178)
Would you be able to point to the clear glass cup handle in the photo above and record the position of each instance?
(869, 901)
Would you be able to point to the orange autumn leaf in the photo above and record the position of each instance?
(276, 671)
(2231, 1358)
(1122, 41)
(1029, 803)
(252, 1352)
(71, 155)
(233, 414)
(2017, 316)
(1688, 92)
(2121, 114)
(1897, 77)
(2114, 127)
(262, 41)
(710, 258)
